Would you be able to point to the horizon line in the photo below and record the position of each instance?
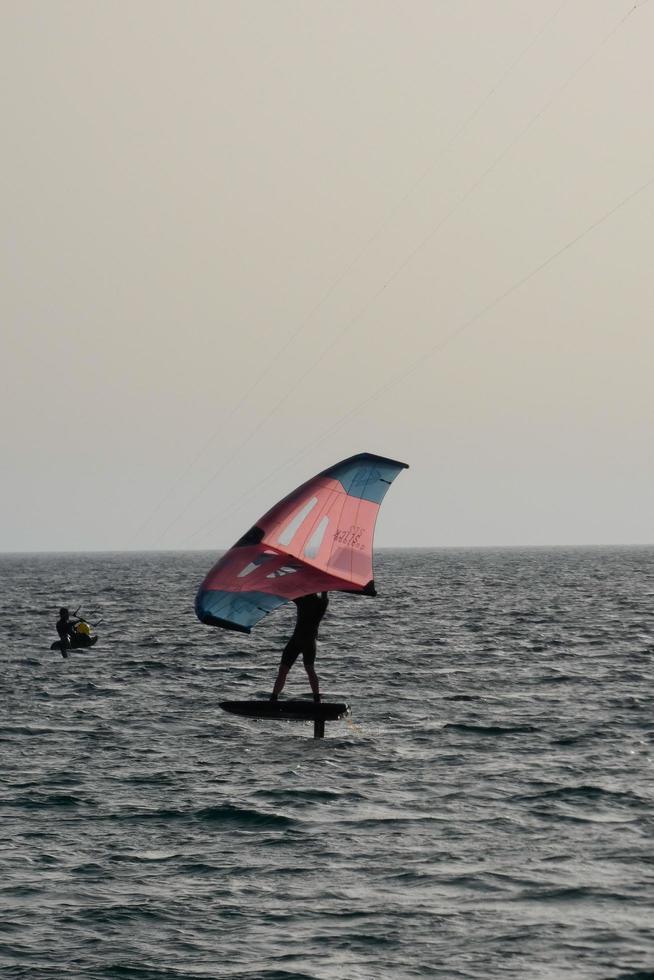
(392, 547)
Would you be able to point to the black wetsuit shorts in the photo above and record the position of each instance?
(300, 643)
(310, 611)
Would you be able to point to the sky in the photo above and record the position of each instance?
(243, 240)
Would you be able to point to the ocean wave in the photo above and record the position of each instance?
(308, 795)
(490, 729)
(585, 793)
(40, 801)
(225, 814)
(118, 913)
(244, 817)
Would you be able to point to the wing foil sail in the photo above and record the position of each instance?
(317, 539)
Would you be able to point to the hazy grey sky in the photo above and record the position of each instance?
(190, 187)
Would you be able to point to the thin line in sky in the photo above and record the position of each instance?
(308, 318)
(463, 198)
(425, 355)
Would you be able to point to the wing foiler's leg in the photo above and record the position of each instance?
(309, 659)
(289, 656)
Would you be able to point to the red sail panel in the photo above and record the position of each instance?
(319, 538)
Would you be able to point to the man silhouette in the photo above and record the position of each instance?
(310, 611)
(65, 627)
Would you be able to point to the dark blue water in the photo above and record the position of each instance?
(487, 813)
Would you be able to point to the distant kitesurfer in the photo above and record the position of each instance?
(310, 611)
(65, 628)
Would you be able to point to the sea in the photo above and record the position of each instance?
(486, 811)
